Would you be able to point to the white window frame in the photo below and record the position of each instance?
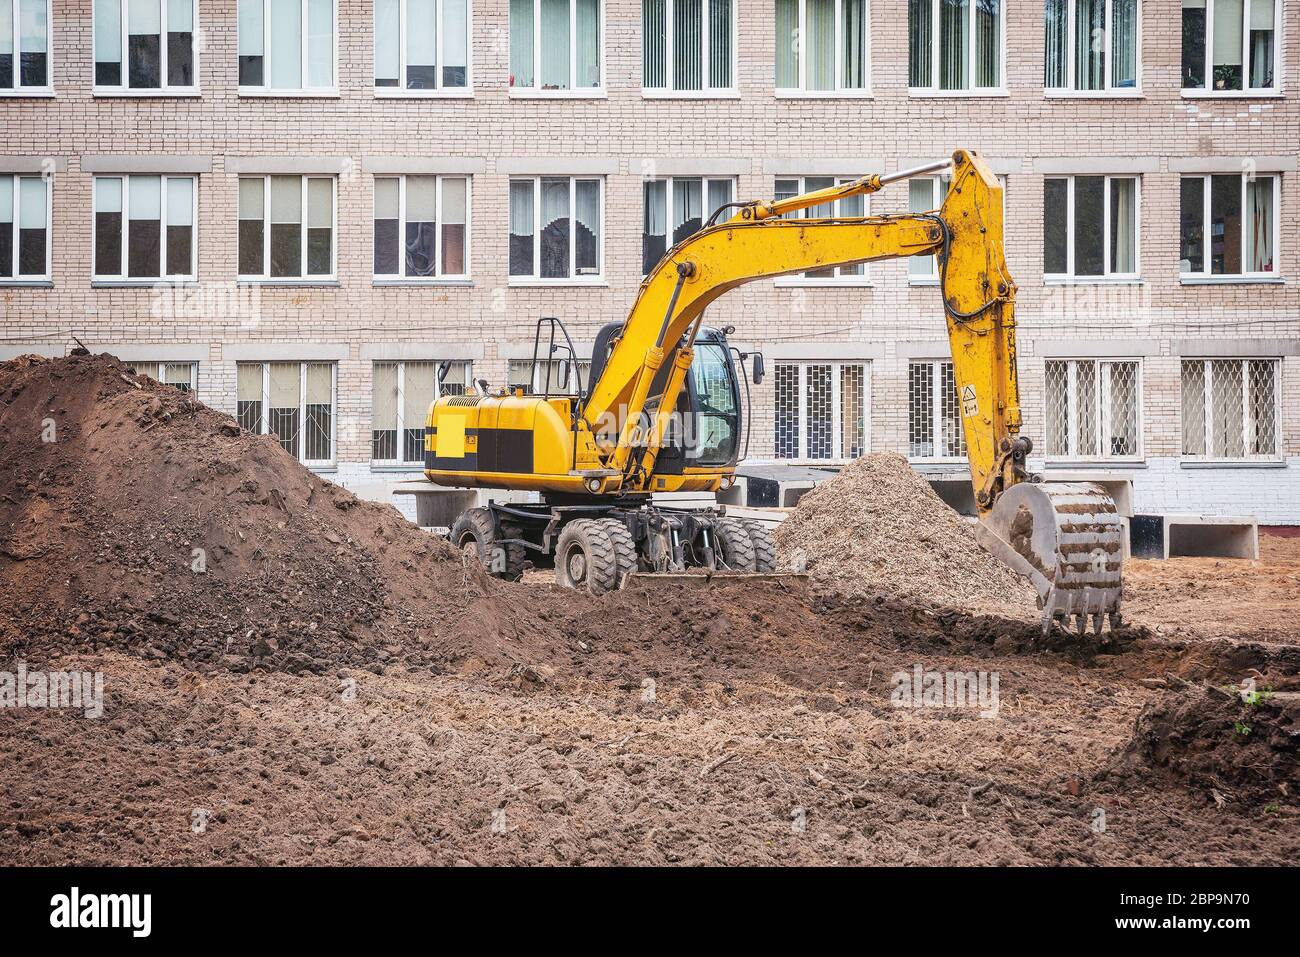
(573, 91)
(801, 91)
(669, 91)
(837, 409)
(161, 363)
(47, 276)
(671, 182)
(1206, 275)
(799, 279)
(596, 279)
(438, 275)
(936, 412)
(1069, 277)
(121, 278)
(1102, 413)
(1108, 90)
(264, 422)
(18, 89)
(306, 279)
(164, 88)
(400, 463)
(439, 92)
(303, 89)
(1207, 400)
(935, 45)
(1279, 46)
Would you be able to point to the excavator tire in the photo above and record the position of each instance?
(764, 545)
(733, 546)
(624, 547)
(585, 558)
(474, 533)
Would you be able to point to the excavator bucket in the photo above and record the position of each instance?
(1067, 539)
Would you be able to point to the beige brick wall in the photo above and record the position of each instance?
(757, 129)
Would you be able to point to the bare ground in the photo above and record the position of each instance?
(335, 689)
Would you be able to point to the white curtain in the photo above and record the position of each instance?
(1055, 38)
(387, 43)
(988, 43)
(654, 52)
(688, 52)
(920, 40)
(555, 44)
(455, 43)
(1123, 225)
(853, 23)
(820, 43)
(1123, 48)
(320, 43)
(1089, 44)
(285, 68)
(587, 52)
(720, 44)
(954, 44)
(787, 44)
(1261, 43)
(521, 42)
(1259, 225)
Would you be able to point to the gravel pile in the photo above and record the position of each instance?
(878, 527)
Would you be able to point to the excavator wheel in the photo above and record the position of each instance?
(586, 558)
(624, 546)
(475, 534)
(733, 546)
(764, 545)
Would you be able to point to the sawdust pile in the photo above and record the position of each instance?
(878, 527)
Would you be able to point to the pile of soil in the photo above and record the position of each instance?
(1218, 743)
(878, 527)
(134, 517)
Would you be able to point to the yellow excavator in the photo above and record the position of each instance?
(662, 411)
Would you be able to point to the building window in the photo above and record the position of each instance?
(1093, 409)
(678, 206)
(555, 45)
(24, 228)
(1090, 227)
(298, 243)
(1091, 45)
(925, 194)
(286, 45)
(522, 374)
(853, 206)
(178, 374)
(403, 392)
(144, 45)
(687, 45)
(24, 46)
(1229, 225)
(144, 227)
(294, 401)
(821, 46)
(821, 410)
(954, 44)
(421, 227)
(555, 228)
(1230, 408)
(1230, 46)
(421, 45)
(934, 426)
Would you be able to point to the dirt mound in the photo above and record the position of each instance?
(133, 516)
(878, 527)
(1215, 741)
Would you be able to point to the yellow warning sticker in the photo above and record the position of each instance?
(451, 437)
(970, 404)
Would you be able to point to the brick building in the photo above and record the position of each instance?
(298, 207)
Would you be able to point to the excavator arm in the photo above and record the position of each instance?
(1066, 539)
(760, 242)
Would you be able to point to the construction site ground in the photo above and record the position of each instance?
(449, 718)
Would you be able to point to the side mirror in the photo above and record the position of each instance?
(759, 369)
(443, 368)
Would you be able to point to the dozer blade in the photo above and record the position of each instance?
(1067, 539)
